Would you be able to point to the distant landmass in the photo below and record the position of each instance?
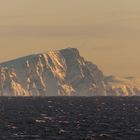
(61, 73)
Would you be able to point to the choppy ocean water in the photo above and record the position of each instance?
(70, 118)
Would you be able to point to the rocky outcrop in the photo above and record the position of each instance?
(54, 73)
(9, 84)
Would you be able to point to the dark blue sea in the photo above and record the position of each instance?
(69, 118)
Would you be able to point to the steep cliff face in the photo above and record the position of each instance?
(54, 73)
(85, 77)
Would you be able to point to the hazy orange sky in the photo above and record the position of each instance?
(106, 32)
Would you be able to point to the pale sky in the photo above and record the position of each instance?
(107, 32)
